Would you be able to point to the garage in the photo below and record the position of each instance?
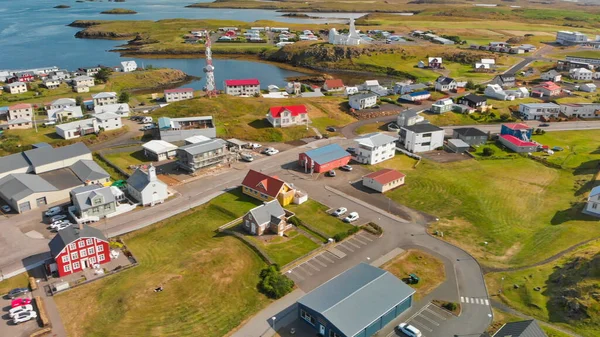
(26, 206)
(40, 201)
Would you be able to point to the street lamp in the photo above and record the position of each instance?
(273, 318)
(501, 285)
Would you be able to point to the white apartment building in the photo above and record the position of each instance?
(535, 111)
(582, 110)
(16, 88)
(567, 37)
(21, 110)
(105, 98)
(180, 94)
(82, 81)
(362, 101)
(246, 87)
(421, 137)
(581, 74)
(374, 148)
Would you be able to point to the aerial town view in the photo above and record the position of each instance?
(300, 168)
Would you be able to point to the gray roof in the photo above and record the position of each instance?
(43, 156)
(528, 328)
(106, 115)
(14, 84)
(19, 121)
(375, 139)
(422, 127)
(541, 105)
(364, 95)
(470, 132)
(62, 178)
(62, 101)
(192, 119)
(458, 143)
(86, 169)
(355, 298)
(71, 234)
(267, 211)
(138, 180)
(82, 196)
(444, 80)
(203, 147)
(17, 186)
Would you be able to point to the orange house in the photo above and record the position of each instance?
(266, 188)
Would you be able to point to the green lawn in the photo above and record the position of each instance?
(314, 214)
(124, 159)
(522, 209)
(448, 118)
(370, 128)
(209, 280)
(284, 250)
(581, 148)
(574, 277)
(114, 174)
(19, 281)
(427, 267)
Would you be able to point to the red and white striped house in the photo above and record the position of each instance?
(76, 248)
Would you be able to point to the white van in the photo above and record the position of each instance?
(409, 330)
(246, 157)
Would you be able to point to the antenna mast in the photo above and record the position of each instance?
(209, 69)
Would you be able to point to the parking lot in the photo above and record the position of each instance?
(8, 328)
(429, 320)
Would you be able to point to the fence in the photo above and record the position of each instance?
(111, 164)
(250, 244)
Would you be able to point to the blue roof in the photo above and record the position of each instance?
(164, 123)
(327, 154)
(357, 297)
(419, 93)
(3, 108)
(595, 190)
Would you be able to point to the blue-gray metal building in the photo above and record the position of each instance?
(356, 303)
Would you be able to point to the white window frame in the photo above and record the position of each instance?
(81, 244)
(90, 251)
(67, 268)
(65, 258)
(72, 246)
(74, 256)
(93, 260)
(88, 241)
(100, 248)
(101, 258)
(83, 253)
(76, 265)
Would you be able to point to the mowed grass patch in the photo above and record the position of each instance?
(209, 280)
(314, 215)
(370, 128)
(400, 162)
(126, 159)
(573, 278)
(18, 281)
(522, 209)
(448, 118)
(581, 149)
(284, 250)
(427, 267)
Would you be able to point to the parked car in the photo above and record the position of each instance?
(409, 330)
(56, 210)
(17, 302)
(58, 217)
(17, 310)
(351, 217)
(24, 317)
(543, 125)
(17, 292)
(340, 211)
(63, 226)
(330, 173)
(57, 223)
(346, 168)
(246, 157)
(254, 146)
(5, 208)
(351, 150)
(330, 129)
(557, 148)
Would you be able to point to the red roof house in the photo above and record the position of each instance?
(548, 89)
(383, 180)
(290, 115)
(244, 87)
(334, 85)
(516, 144)
(266, 188)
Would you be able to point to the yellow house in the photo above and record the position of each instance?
(266, 188)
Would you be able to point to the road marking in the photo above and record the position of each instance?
(477, 301)
(352, 243)
(472, 300)
(429, 319)
(423, 325)
(310, 265)
(307, 272)
(319, 262)
(462, 299)
(487, 302)
(356, 238)
(342, 246)
(326, 258)
(436, 314)
(298, 276)
(366, 237)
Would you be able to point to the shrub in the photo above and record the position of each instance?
(488, 152)
(450, 306)
(115, 245)
(341, 236)
(373, 228)
(274, 284)
(295, 221)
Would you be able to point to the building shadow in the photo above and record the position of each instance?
(572, 214)
(259, 124)
(588, 167)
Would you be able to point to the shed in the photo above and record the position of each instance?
(383, 180)
(158, 150)
(457, 146)
(235, 144)
(324, 159)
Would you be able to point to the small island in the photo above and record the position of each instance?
(62, 6)
(119, 11)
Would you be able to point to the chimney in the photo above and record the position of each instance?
(151, 173)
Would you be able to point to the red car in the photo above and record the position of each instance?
(17, 302)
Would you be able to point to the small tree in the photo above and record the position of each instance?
(78, 100)
(273, 283)
(103, 75)
(504, 117)
(124, 97)
(471, 85)
(488, 152)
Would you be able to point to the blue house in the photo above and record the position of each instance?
(356, 303)
(518, 130)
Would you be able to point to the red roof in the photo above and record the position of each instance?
(20, 106)
(385, 176)
(336, 83)
(517, 126)
(263, 183)
(250, 81)
(517, 141)
(169, 91)
(294, 109)
(550, 86)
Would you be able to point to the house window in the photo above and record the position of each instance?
(307, 317)
(101, 257)
(88, 241)
(83, 253)
(81, 244)
(72, 246)
(91, 250)
(92, 260)
(594, 206)
(65, 258)
(74, 256)
(67, 268)
(333, 334)
(75, 265)
(106, 207)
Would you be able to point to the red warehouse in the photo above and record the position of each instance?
(77, 248)
(324, 159)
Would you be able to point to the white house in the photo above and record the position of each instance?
(416, 96)
(593, 203)
(421, 137)
(105, 98)
(383, 180)
(495, 91)
(15, 88)
(282, 116)
(82, 81)
(371, 85)
(51, 84)
(109, 121)
(245, 87)
(21, 110)
(180, 94)
(146, 188)
(409, 117)
(551, 75)
(128, 66)
(583, 110)
(350, 39)
(351, 91)
(62, 103)
(121, 109)
(106, 121)
(535, 111)
(442, 105)
(159, 150)
(65, 113)
(520, 92)
(374, 148)
(445, 84)
(568, 38)
(333, 85)
(588, 87)
(581, 74)
(362, 101)
(597, 75)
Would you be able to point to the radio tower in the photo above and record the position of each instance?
(209, 69)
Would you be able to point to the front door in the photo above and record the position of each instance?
(84, 263)
(321, 329)
(253, 228)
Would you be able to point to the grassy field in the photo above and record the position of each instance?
(314, 214)
(125, 159)
(19, 281)
(284, 250)
(114, 174)
(369, 128)
(244, 118)
(581, 148)
(209, 280)
(427, 267)
(399, 162)
(522, 209)
(574, 278)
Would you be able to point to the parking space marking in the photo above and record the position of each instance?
(352, 243)
(319, 262)
(422, 315)
(298, 276)
(423, 325)
(462, 299)
(306, 271)
(326, 258)
(435, 314)
(356, 238)
(366, 237)
(310, 265)
(342, 246)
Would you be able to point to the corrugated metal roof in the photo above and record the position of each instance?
(375, 139)
(203, 147)
(327, 154)
(264, 213)
(43, 156)
(17, 186)
(82, 196)
(88, 170)
(357, 297)
(520, 329)
(159, 146)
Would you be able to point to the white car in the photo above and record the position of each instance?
(63, 226)
(24, 317)
(351, 217)
(53, 211)
(272, 152)
(409, 330)
(254, 146)
(246, 157)
(58, 217)
(340, 211)
(58, 223)
(5, 208)
(20, 309)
